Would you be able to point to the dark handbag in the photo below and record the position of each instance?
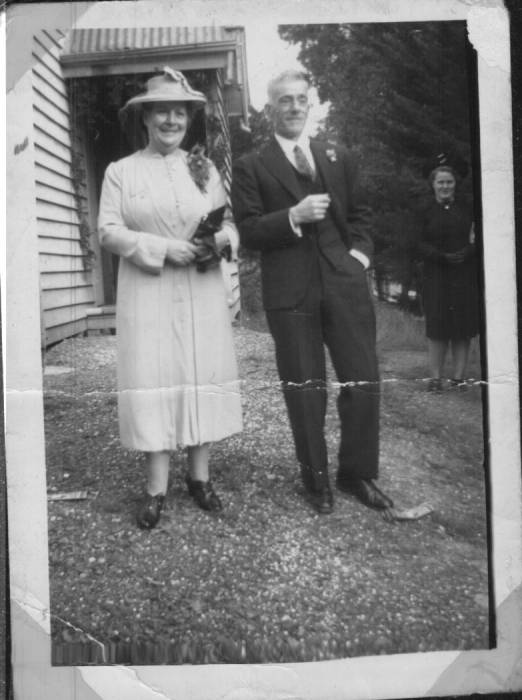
(203, 237)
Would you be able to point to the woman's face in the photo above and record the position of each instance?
(166, 124)
(444, 186)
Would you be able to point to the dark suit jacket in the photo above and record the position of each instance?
(264, 187)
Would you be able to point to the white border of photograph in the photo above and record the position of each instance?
(394, 676)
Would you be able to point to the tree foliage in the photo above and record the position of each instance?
(257, 134)
(243, 140)
(399, 95)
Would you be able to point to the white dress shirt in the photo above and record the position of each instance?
(288, 149)
(287, 146)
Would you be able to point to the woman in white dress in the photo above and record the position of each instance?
(178, 385)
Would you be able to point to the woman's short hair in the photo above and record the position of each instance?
(441, 169)
(286, 76)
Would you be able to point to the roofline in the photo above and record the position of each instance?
(107, 55)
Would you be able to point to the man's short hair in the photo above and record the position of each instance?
(286, 76)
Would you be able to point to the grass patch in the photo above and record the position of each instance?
(398, 330)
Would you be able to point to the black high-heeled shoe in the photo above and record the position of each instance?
(203, 493)
(150, 510)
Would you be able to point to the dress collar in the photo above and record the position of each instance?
(446, 205)
(178, 154)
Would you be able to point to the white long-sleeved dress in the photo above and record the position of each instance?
(177, 375)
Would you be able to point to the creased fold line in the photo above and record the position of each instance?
(89, 636)
(244, 385)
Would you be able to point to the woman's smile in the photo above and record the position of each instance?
(444, 187)
(166, 124)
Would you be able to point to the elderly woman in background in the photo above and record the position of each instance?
(450, 289)
(177, 376)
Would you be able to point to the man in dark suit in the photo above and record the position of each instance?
(296, 202)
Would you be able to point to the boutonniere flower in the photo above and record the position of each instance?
(331, 155)
(199, 166)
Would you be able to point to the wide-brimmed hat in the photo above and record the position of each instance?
(170, 86)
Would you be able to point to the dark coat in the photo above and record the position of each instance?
(264, 187)
(450, 292)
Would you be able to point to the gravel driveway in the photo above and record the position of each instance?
(267, 580)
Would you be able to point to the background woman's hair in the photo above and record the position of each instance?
(441, 169)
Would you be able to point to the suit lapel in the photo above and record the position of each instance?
(329, 169)
(332, 177)
(279, 167)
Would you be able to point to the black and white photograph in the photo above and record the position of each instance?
(262, 365)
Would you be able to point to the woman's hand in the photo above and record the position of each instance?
(181, 252)
(221, 238)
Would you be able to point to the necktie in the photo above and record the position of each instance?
(302, 165)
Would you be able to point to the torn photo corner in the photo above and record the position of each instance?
(266, 598)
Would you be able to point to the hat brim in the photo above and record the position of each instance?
(139, 100)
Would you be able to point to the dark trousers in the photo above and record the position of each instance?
(337, 311)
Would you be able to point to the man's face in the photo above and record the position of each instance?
(288, 108)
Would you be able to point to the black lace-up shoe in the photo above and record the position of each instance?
(150, 510)
(204, 495)
(366, 492)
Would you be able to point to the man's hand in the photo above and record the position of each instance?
(310, 209)
(181, 252)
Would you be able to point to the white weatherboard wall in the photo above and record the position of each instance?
(66, 287)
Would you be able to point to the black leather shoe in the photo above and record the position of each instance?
(321, 500)
(366, 492)
(203, 493)
(149, 511)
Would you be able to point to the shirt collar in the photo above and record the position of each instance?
(288, 145)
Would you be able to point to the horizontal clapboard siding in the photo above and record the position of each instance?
(47, 178)
(50, 228)
(52, 85)
(60, 331)
(73, 296)
(66, 287)
(50, 193)
(52, 161)
(45, 140)
(50, 263)
(49, 95)
(66, 315)
(60, 246)
(54, 130)
(59, 280)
